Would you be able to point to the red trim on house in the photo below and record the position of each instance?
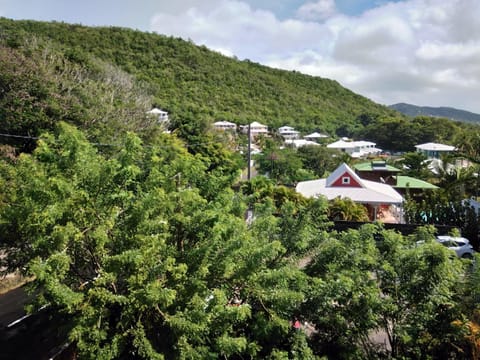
(345, 180)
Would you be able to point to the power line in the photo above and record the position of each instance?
(20, 136)
(27, 137)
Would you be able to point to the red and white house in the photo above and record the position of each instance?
(345, 183)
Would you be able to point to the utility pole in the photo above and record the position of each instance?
(249, 157)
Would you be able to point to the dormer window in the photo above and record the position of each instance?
(346, 180)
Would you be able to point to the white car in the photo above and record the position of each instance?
(460, 245)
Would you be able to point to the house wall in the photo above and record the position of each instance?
(340, 182)
(433, 154)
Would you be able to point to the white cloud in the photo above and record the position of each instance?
(371, 43)
(236, 27)
(468, 52)
(425, 52)
(317, 11)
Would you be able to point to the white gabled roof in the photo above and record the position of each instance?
(365, 152)
(224, 123)
(257, 124)
(370, 192)
(286, 128)
(435, 147)
(341, 144)
(157, 111)
(315, 135)
(375, 193)
(362, 143)
(301, 142)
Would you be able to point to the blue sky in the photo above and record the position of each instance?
(137, 13)
(424, 52)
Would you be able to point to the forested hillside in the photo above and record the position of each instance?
(187, 80)
(138, 237)
(445, 112)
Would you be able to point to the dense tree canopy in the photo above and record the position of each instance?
(148, 262)
(138, 236)
(143, 262)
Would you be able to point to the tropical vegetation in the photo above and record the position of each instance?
(144, 236)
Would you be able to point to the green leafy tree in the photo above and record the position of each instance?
(418, 280)
(459, 182)
(416, 165)
(344, 302)
(142, 262)
(468, 144)
(321, 160)
(373, 282)
(346, 209)
(284, 166)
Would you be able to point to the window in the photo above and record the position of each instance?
(345, 180)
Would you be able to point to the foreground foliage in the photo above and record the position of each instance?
(131, 247)
(150, 256)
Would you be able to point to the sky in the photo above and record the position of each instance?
(422, 52)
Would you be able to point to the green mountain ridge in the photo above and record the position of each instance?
(442, 111)
(189, 81)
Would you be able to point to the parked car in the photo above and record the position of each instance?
(460, 245)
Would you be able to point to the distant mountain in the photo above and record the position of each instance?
(443, 112)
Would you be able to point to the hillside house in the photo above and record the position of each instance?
(161, 115)
(315, 136)
(377, 170)
(356, 149)
(288, 132)
(345, 183)
(224, 126)
(380, 171)
(255, 129)
(414, 187)
(300, 142)
(434, 150)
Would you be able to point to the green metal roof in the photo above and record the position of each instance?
(412, 183)
(370, 166)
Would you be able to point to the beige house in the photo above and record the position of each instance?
(255, 129)
(224, 125)
(288, 132)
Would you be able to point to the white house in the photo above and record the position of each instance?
(315, 136)
(300, 142)
(255, 129)
(434, 150)
(288, 132)
(345, 183)
(355, 149)
(161, 115)
(224, 125)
